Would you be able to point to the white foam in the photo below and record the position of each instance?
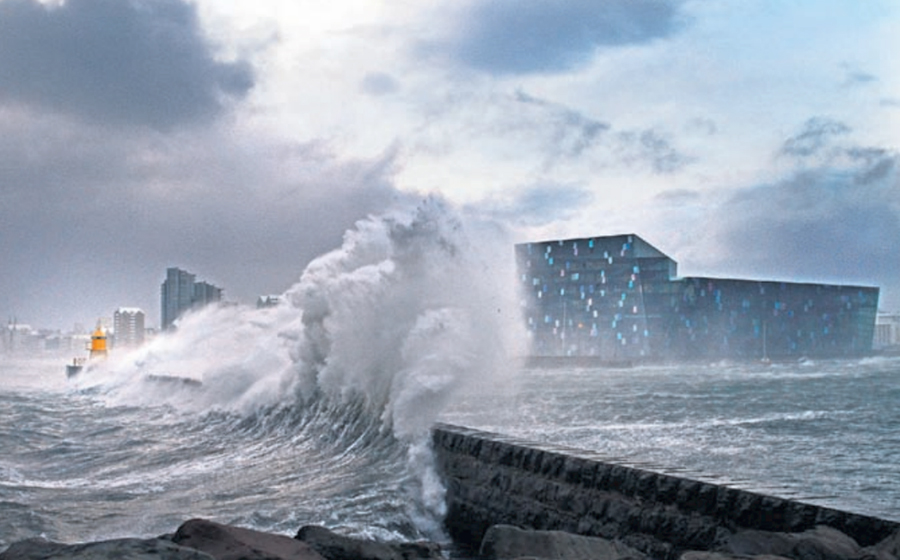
(414, 307)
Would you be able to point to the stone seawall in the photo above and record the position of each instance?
(494, 479)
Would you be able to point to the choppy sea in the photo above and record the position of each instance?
(318, 411)
(76, 467)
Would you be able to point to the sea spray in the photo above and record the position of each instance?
(407, 312)
(234, 351)
(375, 339)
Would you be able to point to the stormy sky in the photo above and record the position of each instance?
(240, 139)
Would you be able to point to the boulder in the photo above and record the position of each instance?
(121, 549)
(819, 543)
(225, 542)
(506, 542)
(703, 555)
(333, 546)
(888, 549)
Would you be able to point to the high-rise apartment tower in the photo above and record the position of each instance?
(181, 292)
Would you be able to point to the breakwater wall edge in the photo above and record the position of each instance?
(495, 479)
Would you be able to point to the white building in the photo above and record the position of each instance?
(887, 331)
(128, 326)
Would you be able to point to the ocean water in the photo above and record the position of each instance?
(825, 432)
(76, 466)
(318, 411)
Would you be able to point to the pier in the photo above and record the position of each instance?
(495, 479)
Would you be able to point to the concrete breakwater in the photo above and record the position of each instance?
(494, 479)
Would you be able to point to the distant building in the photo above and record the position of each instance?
(617, 298)
(23, 339)
(128, 326)
(267, 301)
(887, 331)
(20, 338)
(180, 292)
(177, 296)
(205, 293)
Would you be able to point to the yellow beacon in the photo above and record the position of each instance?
(98, 344)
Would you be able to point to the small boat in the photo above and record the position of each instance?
(75, 367)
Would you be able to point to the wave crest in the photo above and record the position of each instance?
(415, 306)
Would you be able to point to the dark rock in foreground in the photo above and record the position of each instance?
(504, 541)
(200, 539)
(820, 543)
(120, 549)
(700, 555)
(333, 546)
(225, 542)
(888, 549)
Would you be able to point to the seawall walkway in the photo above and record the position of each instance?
(494, 479)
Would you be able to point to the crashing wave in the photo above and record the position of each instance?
(414, 307)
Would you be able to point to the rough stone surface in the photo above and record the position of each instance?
(502, 542)
(120, 549)
(225, 542)
(333, 546)
(888, 549)
(820, 543)
(493, 479)
(702, 555)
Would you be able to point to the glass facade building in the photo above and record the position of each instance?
(618, 298)
(181, 292)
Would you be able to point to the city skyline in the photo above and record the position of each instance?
(132, 318)
(757, 141)
(190, 300)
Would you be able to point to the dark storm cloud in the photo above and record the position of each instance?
(514, 37)
(651, 147)
(94, 219)
(838, 223)
(539, 204)
(124, 61)
(817, 134)
(571, 132)
(571, 135)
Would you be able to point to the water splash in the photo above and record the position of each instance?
(416, 306)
